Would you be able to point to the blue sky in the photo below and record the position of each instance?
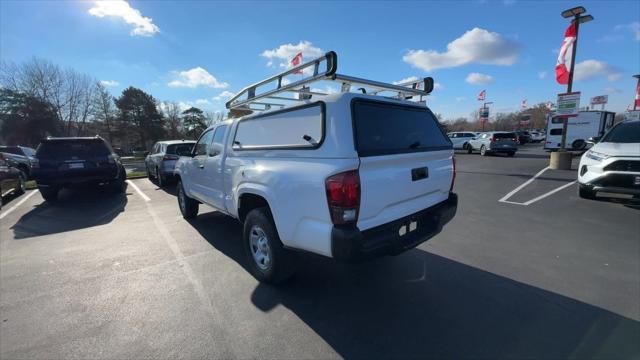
(196, 52)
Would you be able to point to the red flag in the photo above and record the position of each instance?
(562, 71)
(524, 104)
(637, 102)
(482, 95)
(296, 61)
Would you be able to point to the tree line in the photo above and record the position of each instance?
(39, 98)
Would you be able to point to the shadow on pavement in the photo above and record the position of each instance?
(421, 305)
(74, 209)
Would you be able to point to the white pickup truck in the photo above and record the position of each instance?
(347, 176)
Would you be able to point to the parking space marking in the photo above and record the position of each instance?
(137, 189)
(550, 193)
(26, 197)
(504, 198)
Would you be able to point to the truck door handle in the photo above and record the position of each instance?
(201, 166)
(419, 173)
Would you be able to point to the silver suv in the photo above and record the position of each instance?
(162, 159)
(494, 142)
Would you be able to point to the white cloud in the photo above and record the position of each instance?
(479, 79)
(223, 96)
(612, 90)
(184, 105)
(202, 102)
(542, 74)
(474, 46)
(591, 69)
(634, 27)
(142, 26)
(109, 83)
(196, 77)
(436, 86)
(405, 80)
(284, 53)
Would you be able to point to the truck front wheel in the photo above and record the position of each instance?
(188, 206)
(268, 260)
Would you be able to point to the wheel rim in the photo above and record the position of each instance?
(483, 150)
(181, 198)
(260, 249)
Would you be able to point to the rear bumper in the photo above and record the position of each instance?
(503, 148)
(350, 244)
(78, 179)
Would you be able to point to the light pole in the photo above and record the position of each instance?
(484, 107)
(578, 18)
(636, 100)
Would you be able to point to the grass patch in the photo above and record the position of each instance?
(137, 175)
(31, 184)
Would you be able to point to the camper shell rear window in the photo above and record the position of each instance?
(382, 128)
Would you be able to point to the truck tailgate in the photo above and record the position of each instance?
(394, 186)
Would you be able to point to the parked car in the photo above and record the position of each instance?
(12, 179)
(139, 152)
(537, 137)
(494, 142)
(460, 139)
(332, 177)
(162, 159)
(523, 137)
(77, 161)
(613, 162)
(23, 156)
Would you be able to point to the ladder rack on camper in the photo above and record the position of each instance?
(254, 98)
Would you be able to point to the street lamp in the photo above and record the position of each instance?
(578, 19)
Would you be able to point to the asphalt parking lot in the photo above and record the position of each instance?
(538, 273)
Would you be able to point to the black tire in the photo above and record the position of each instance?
(50, 194)
(469, 149)
(22, 184)
(586, 193)
(483, 150)
(188, 206)
(149, 176)
(579, 144)
(511, 153)
(281, 264)
(120, 185)
(162, 181)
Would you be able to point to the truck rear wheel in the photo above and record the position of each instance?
(268, 260)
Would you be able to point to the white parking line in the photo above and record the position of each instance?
(550, 193)
(504, 198)
(26, 197)
(137, 189)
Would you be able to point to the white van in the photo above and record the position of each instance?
(579, 129)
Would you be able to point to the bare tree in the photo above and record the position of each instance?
(213, 117)
(68, 91)
(173, 117)
(104, 109)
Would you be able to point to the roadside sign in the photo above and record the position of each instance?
(568, 104)
(599, 100)
(632, 115)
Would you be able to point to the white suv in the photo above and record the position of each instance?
(613, 163)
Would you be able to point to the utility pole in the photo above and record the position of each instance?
(578, 18)
(636, 100)
(561, 159)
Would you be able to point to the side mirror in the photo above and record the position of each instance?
(593, 139)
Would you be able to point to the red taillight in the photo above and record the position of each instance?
(514, 139)
(453, 178)
(343, 197)
(170, 157)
